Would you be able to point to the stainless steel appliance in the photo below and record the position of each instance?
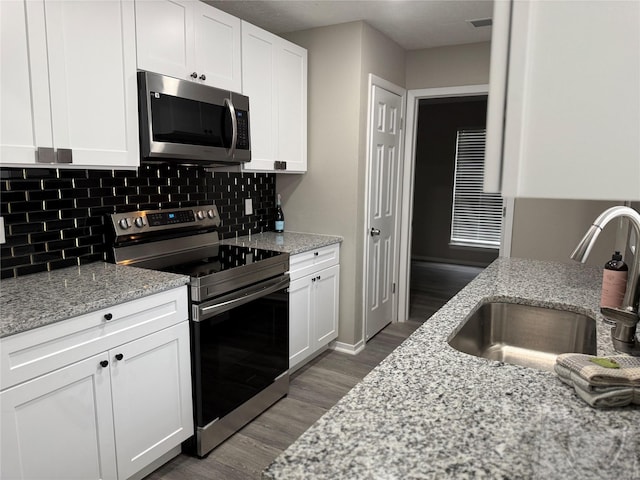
(190, 123)
(239, 313)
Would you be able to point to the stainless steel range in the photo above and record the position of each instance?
(239, 313)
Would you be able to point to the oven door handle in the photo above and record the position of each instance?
(247, 295)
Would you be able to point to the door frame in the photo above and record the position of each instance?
(408, 173)
(374, 80)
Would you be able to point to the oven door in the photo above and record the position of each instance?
(240, 347)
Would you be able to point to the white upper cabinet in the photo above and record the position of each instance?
(274, 77)
(68, 84)
(191, 40)
(568, 92)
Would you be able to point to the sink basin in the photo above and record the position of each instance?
(524, 335)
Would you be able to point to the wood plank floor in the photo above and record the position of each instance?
(315, 388)
(434, 284)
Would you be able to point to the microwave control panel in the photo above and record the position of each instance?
(242, 120)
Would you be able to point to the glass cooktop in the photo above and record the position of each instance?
(219, 258)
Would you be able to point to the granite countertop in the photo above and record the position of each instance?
(431, 412)
(40, 299)
(290, 242)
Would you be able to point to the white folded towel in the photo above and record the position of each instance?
(598, 396)
(627, 372)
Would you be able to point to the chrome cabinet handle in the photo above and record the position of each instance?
(45, 155)
(51, 155)
(374, 231)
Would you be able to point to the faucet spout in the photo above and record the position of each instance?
(582, 251)
(623, 335)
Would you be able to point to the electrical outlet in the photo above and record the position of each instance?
(3, 239)
(248, 206)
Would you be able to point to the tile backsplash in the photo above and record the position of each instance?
(55, 218)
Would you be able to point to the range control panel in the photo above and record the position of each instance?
(159, 220)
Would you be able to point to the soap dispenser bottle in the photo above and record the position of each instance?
(614, 282)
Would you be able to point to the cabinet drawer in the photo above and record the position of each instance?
(306, 263)
(29, 354)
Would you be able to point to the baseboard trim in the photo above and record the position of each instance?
(469, 263)
(347, 347)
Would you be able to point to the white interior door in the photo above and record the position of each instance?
(384, 155)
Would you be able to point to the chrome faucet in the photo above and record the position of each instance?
(623, 334)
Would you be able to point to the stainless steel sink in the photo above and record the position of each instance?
(524, 335)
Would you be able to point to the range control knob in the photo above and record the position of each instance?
(200, 214)
(139, 222)
(124, 223)
(211, 213)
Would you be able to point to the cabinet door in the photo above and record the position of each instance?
(217, 48)
(92, 75)
(151, 383)
(80, 92)
(572, 112)
(291, 72)
(325, 305)
(25, 114)
(59, 425)
(259, 57)
(274, 77)
(300, 318)
(165, 38)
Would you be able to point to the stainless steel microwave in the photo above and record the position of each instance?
(189, 123)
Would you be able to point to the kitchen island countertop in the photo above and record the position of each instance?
(43, 298)
(429, 411)
(290, 242)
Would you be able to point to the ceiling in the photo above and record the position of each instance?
(412, 24)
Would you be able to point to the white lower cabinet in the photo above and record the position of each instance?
(314, 303)
(107, 416)
(60, 425)
(151, 392)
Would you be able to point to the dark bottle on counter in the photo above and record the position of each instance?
(279, 216)
(614, 282)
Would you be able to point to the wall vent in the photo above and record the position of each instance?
(481, 22)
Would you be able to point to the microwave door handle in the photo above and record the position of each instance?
(234, 126)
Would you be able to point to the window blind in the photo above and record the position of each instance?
(476, 216)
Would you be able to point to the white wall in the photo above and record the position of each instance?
(325, 199)
(329, 198)
(542, 229)
(448, 66)
(551, 229)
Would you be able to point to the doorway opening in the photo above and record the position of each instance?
(439, 260)
(448, 246)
